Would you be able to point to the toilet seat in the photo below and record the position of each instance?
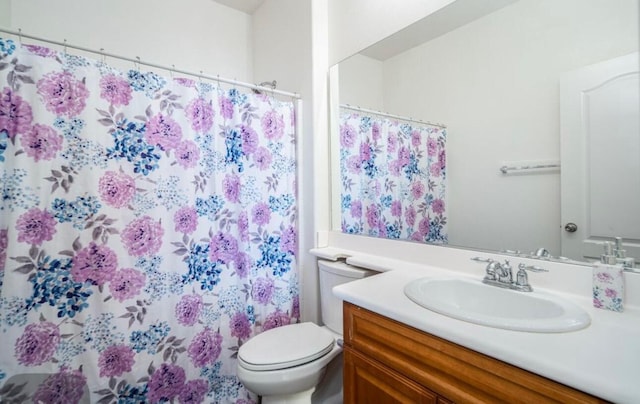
(285, 347)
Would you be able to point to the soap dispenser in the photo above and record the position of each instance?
(608, 281)
(621, 256)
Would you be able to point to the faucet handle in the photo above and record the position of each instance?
(522, 280)
(531, 268)
(478, 259)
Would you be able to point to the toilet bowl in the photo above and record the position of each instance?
(286, 364)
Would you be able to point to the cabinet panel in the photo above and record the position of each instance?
(451, 371)
(366, 381)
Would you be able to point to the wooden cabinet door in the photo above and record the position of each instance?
(366, 381)
(437, 366)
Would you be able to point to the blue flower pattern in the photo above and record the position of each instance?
(131, 145)
(273, 257)
(201, 269)
(52, 285)
(77, 211)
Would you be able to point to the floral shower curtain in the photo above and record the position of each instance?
(148, 227)
(393, 178)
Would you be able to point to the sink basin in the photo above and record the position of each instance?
(475, 302)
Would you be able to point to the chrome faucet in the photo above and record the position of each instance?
(501, 275)
(505, 274)
(542, 253)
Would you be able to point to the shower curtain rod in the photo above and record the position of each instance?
(403, 118)
(137, 60)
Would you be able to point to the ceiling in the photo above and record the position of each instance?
(247, 6)
(446, 19)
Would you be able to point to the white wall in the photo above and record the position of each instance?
(5, 13)
(357, 24)
(363, 85)
(469, 80)
(193, 35)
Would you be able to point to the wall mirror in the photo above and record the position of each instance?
(503, 76)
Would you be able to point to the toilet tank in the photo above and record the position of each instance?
(333, 274)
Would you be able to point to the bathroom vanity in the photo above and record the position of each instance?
(389, 362)
(399, 351)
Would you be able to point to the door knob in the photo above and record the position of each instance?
(571, 227)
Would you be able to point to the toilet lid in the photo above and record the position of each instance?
(285, 347)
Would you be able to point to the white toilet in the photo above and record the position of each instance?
(285, 364)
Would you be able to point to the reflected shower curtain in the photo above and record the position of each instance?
(393, 178)
(148, 227)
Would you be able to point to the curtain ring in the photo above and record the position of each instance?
(104, 58)
(201, 88)
(173, 68)
(219, 89)
(65, 47)
(137, 64)
(20, 35)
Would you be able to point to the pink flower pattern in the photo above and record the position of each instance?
(115, 89)
(276, 319)
(289, 240)
(37, 343)
(240, 326)
(223, 248)
(205, 347)
(66, 386)
(261, 214)
(262, 290)
(63, 94)
(164, 132)
(35, 226)
(272, 125)
(116, 189)
(187, 154)
(95, 263)
(200, 113)
(226, 107)
(231, 185)
(188, 309)
(126, 284)
(243, 226)
(166, 383)
(262, 158)
(194, 392)
(142, 236)
(41, 142)
(15, 113)
(116, 360)
(4, 242)
(347, 136)
(40, 50)
(250, 139)
(242, 264)
(186, 220)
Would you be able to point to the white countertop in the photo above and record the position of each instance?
(602, 359)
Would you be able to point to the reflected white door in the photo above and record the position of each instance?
(600, 155)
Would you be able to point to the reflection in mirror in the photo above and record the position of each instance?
(494, 78)
(392, 176)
